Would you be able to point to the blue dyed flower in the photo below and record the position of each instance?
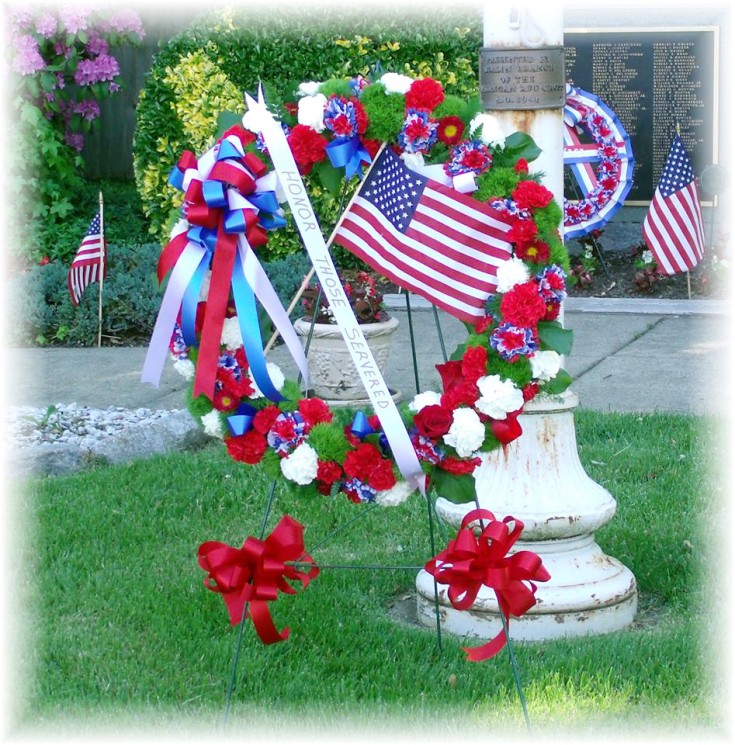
(340, 117)
(469, 157)
(287, 432)
(551, 284)
(358, 491)
(419, 133)
(511, 342)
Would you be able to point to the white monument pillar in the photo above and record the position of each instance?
(540, 479)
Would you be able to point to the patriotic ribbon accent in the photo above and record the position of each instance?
(471, 561)
(603, 169)
(254, 574)
(361, 428)
(242, 420)
(348, 153)
(229, 203)
(307, 224)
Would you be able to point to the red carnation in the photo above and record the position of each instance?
(450, 130)
(484, 325)
(424, 95)
(308, 147)
(537, 252)
(530, 195)
(521, 166)
(314, 411)
(458, 466)
(328, 471)
(247, 448)
(263, 420)
(372, 146)
(465, 392)
(361, 116)
(523, 305)
(529, 391)
(474, 363)
(382, 476)
(522, 232)
(361, 462)
(433, 421)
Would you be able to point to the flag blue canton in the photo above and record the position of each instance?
(678, 171)
(394, 190)
(94, 226)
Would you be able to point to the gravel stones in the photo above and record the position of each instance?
(67, 437)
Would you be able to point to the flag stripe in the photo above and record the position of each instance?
(673, 228)
(427, 237)
(423, 256)
(85, 266)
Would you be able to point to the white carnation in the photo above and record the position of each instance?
(274, 373)
(212, 424)
(490, 132)
(310, 88)
(301, 466)
(204, 289)
(498, 396)
(545, 365)
(427, 398)
(396, 83)
(231, 335)
(251, 121)
(510, 273)
(467, 432)
(395, 496)
(414, 161)
(185, 367)
(311, 111)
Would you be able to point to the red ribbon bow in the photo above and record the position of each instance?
(255, 573)
(471, 561)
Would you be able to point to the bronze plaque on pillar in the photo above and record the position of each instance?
(514, 79)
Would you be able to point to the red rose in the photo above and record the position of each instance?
(433, 421)
(459, 466)
(263, 420)
(521, 166)
(474, 363)
(247, 448)
(530, 391)
(523, 305)
(451, 373)
(308, 147)
(530, 195)
(314, 411)
(506, 430)
(424, 95)
(44, 260)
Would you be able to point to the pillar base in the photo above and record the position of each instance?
(588, 593)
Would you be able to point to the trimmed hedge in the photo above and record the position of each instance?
(205, 70)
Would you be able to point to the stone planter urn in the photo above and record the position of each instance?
(332, 373)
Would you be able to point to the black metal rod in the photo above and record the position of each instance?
(439, 332)
(413, 342)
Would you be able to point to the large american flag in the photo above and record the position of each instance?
(426, 237)
(673, 228)
(85, 267)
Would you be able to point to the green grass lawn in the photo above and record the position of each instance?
(120, 630)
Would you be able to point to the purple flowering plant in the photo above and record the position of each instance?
(63, 64)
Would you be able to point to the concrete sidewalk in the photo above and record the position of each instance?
(628, 355)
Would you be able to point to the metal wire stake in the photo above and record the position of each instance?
(241, 632)
(413, 342)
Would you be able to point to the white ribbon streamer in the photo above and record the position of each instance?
(308, 226)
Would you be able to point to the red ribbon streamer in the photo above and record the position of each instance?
(471, 561)
(255, 573)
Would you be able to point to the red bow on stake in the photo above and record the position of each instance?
(471, 561)
(256, 572)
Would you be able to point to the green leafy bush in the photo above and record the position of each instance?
(220, 56)
(40, 312)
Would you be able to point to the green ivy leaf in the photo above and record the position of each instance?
(455, 488)
(330, 177)
(554, 336)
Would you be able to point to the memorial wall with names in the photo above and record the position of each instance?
(652, 79)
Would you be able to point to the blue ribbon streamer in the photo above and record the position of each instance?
(247, 315)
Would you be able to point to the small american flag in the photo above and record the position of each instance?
(85, 267)
(426, 237)
(673, 228)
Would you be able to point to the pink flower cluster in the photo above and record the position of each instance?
(102, 68)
